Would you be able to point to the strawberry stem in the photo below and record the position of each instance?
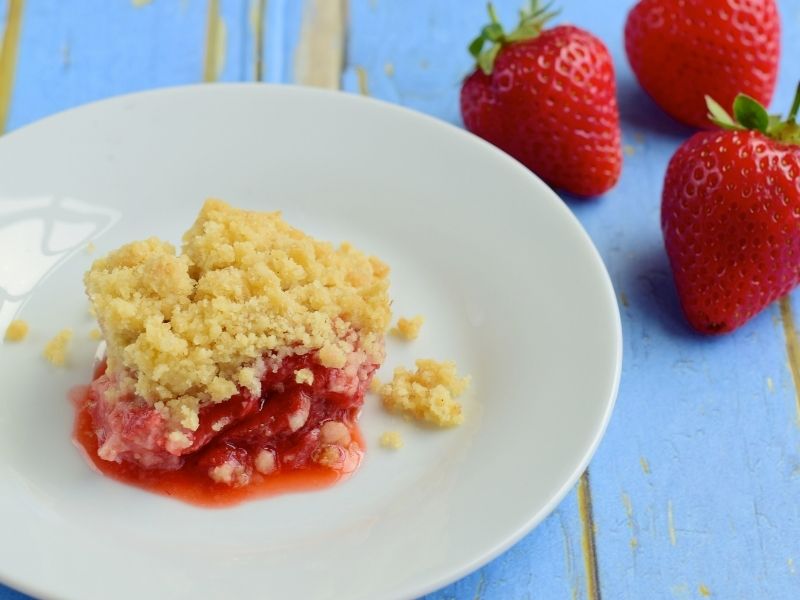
(531, 23)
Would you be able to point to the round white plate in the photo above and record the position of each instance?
(509, 283)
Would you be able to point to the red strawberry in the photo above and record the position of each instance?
(548, 98)
(730, 213)
(683, 50)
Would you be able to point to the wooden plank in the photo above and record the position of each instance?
(695, 489)
(73, 53)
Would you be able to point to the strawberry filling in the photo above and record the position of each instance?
(246, 442)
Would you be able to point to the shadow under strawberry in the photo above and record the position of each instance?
(638, 111)
(651, 293)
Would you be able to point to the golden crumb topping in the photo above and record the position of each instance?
(55, 350)
(428, 394)
(190, 328)
(408, 329)
(304, 376)
(16, 331)
(392, 440)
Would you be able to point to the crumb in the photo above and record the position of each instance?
(190, 327)
(17, 330)
(265, 462)
(55, 350)
(427, 394)
(408, 329)
(90, 248)
(95, 334)
(392, 440)
(629, 150)
(375, 385)
(304, 376)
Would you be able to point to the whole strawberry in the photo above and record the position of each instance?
(548, 98)
(730, 214)
(683, 50)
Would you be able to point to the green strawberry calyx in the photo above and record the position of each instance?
(531, 23)
(749, 114)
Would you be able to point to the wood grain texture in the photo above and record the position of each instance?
(319, 54)
(792, 347)
(77, 52)
(8, 55)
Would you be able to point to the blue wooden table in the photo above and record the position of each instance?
(695, 491)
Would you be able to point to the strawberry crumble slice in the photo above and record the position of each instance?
(246, 355)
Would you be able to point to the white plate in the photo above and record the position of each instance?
(511, 286)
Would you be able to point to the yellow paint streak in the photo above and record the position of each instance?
(587, 537)
(388, 68)
(645, 465)
(792, 348)
(140, 3)
(216, 42)
(258, 8)
(8, 57)
(673, 538)
(704, 591)
(770, 384)
(363, 86)
(626, 502)
(319, 58)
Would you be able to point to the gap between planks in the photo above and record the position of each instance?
(588, 546)
(258, 11)
(792, 348)
(8, 57)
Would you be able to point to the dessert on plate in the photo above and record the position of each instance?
(237, 366)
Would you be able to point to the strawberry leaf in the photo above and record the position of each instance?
(719, 116)
(486, 59)
(476, 46)
(750, 114)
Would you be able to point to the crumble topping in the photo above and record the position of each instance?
(304, 376)
(55, 350)
(408, 329)
(428, 394)
(95, 334)
(16, 331)
(188, 329)
(391, 440)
